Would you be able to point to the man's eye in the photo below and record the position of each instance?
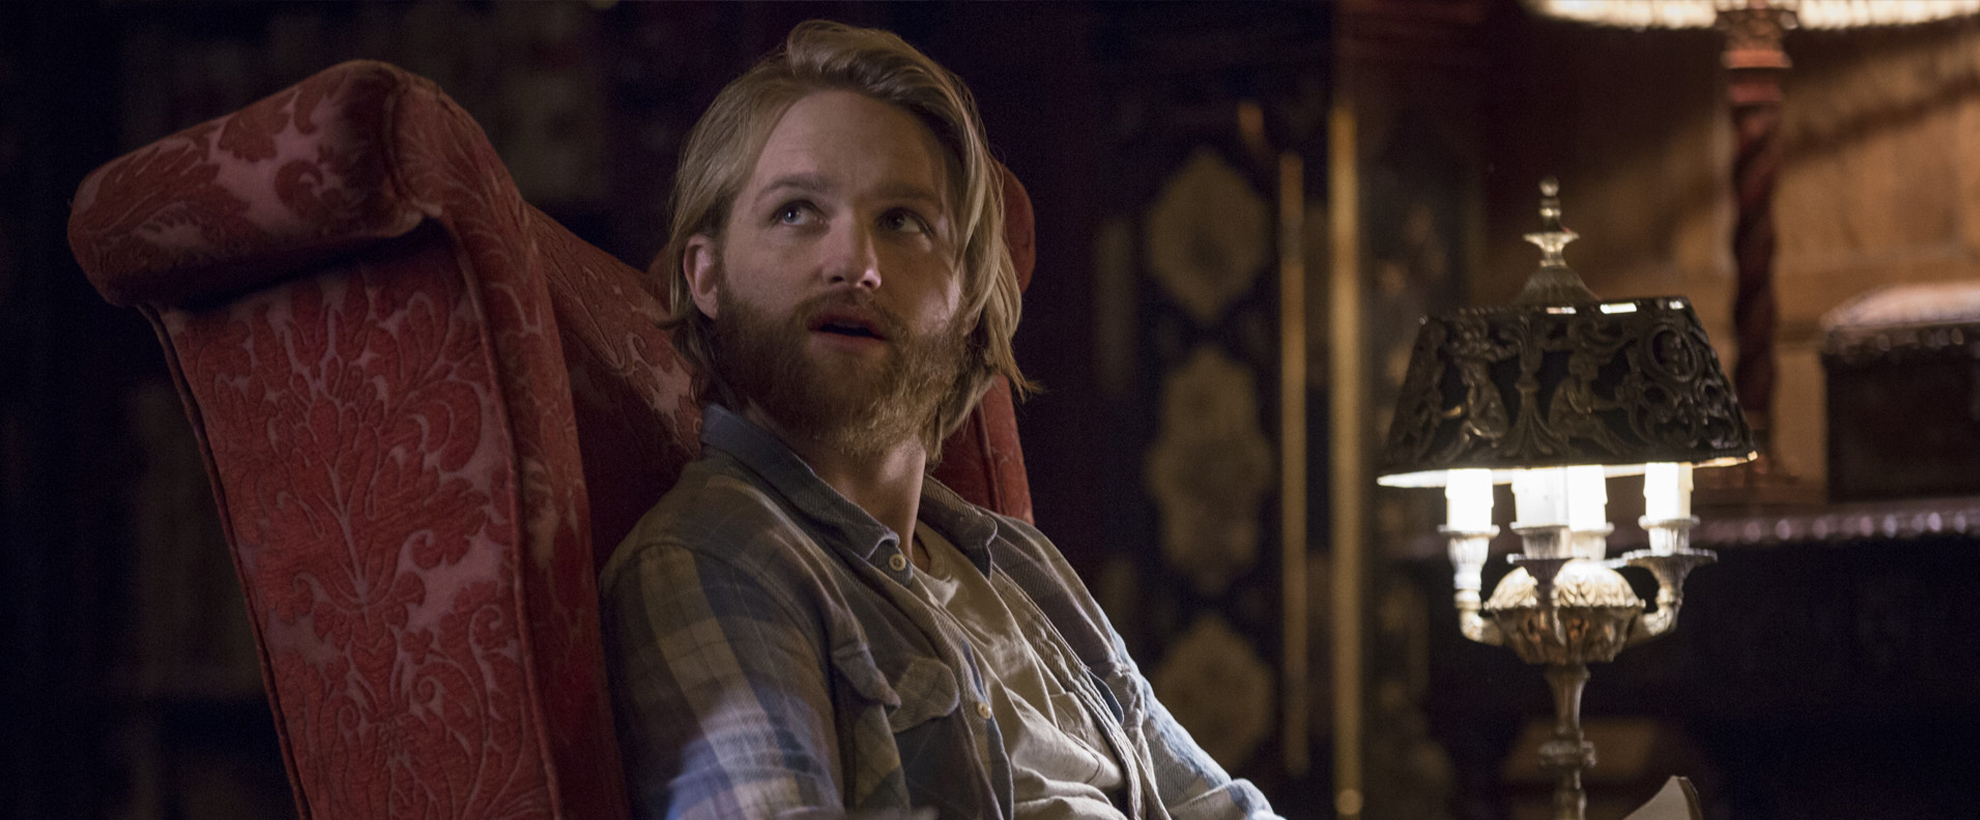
(904, 222)
(796, 213)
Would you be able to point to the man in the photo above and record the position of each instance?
(807, 624)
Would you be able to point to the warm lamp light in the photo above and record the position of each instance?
(1540, 498)
(1705, 13)
(1553, 394)
(1470, 498)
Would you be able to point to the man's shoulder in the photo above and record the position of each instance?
(713, 511)
(1030, 560)
(1018, 541)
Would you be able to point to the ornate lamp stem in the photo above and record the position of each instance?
(1568, 754)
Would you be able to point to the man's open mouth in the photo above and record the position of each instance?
(848, 330)
(847, 324)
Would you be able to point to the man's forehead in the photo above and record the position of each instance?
(844, 143)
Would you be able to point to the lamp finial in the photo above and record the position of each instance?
(1554, 283)
(1552, 238)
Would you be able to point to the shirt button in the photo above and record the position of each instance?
(897, 561)
(983, 710)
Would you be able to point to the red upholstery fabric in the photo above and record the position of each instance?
(428, 412)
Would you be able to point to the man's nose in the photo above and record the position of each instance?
(851, 258)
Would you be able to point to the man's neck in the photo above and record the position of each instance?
(886, 485)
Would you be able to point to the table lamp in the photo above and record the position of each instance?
(1553, 394)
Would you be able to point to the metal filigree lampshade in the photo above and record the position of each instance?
(1552, 394)
(1560, 377)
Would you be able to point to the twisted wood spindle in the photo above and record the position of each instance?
(1757, 63)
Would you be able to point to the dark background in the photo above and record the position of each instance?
(1816, 681)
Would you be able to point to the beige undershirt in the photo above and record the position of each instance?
(1060, 765)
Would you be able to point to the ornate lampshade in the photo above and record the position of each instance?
(1560, 377)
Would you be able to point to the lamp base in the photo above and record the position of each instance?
(1563, 611)
(1569, 753)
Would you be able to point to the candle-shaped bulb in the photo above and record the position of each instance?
(1588, 498)
(1666, 491)
(1469, 493)
(1541, 497)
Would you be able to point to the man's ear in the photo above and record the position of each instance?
(699, 262)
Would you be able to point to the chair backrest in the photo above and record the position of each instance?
(428, 412)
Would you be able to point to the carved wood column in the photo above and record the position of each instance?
(1757, 63)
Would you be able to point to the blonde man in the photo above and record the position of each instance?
(808, 625)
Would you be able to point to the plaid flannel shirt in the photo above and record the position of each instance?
(767, 655)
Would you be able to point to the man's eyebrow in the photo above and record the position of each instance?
(809, 183)
(910, 192)
(816, 184)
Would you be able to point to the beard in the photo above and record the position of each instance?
(858, 408)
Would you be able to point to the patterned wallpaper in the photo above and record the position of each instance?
(1187, 357)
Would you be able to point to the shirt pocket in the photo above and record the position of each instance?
(1123, 690)
(915, 690)
(1087, 754)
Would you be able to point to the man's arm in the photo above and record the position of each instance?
(1190, 783)
(719, 688)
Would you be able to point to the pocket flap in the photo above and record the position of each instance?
(923, 689)
(855, 664)
(927, 690)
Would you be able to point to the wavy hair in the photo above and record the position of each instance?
(722, 150)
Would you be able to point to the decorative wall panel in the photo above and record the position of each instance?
(1214, 679)
(1208, 236)
(1209, 470)
(1414, 69)
(1202, 103)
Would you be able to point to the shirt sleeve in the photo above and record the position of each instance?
(720, 691)
(1190, 783)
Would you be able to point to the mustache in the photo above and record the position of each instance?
(859, 303)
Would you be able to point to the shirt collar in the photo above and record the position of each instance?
(842, 522)
(966, 525)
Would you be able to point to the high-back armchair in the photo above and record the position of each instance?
(428, 413)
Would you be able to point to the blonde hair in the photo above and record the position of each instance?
(722, 150)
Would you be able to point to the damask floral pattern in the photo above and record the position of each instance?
(637, 420)
(1210, 469)
(391, 439)
(1218, 688)
(333, 408)
(222, 206)
(1208, 236)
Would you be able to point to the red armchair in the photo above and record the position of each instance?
(428, 413)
